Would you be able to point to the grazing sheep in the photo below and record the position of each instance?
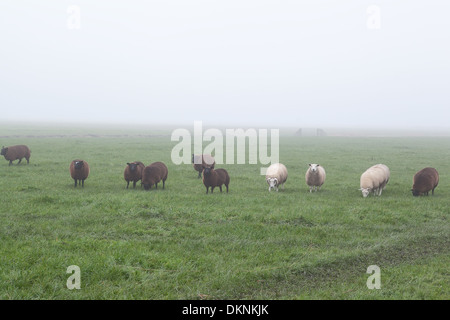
(374, 180)
(425, 180)
(202, 161)
(16, 153)
(315, 176)
(153, 174)
(79, 170)
(133, 172)
(215, 178)
(276, 175)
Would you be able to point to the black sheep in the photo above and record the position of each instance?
(79, 171)
(133, 172)
(16, 153)
(153, 174)
(425, 180)
(215, 178)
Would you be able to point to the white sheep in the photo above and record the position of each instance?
(315, 176)
(276, 175)
(374, 180)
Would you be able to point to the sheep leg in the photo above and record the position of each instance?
(212, 189)
(199, 174)
(432, 192)
(82, 183)
(20, 160)
(128, 182)
(28, 160)
(134, 184)
(75, 182)
(10, 162)
(220, 187)
(207, 190)
(227, 188)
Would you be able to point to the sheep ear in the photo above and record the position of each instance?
(128, 163)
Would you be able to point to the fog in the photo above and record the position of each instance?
(355, 63)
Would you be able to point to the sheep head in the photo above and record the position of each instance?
(78, 165)
(273, 183)
(365, 192)
(133, 166)
(206, 171)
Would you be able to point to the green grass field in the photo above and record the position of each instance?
(180, 243)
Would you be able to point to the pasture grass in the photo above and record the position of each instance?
(180, 243)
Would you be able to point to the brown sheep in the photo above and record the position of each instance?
(201, 162)
(79, 170)
(153, 174)
(133, 172)
(425, 180)
(16, 153)
(215, 178)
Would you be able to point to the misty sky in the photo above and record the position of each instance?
(247, 62)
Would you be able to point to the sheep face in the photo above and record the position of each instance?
(133, 166)
(273, 183)
(78, 165)
(365, 192)
(313, 167)
(4, 151)
(415, 193)
(206, 172)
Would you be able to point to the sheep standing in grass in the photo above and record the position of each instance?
(315, 176)
(133, 172)
(276, 175)
(153, 174)
(16, 153)
(425, 180)
(374, 180)
(215, 178)
(79, 171)
(201, 162)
